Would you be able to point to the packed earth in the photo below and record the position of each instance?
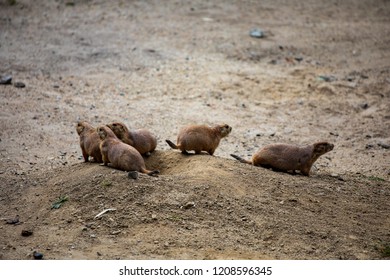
(294, 72)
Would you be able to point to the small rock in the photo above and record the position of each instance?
(337, 176)
(132, 175)
(19, 85)
(333, 133)
(5, 80)
(256, 33)
(369, 146)
(364, 106)
(154, 217)
(327, 78)
(384, 145)
(37, 255)
(14, 221)
(298, 58)
(26, 232)
(189, 205)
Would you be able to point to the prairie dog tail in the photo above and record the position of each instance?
(171, 144)
(240, 159)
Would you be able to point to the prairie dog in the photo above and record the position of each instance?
(89, 141)
(286, 157)
(121, 156)
(200, 138)
(141, 139)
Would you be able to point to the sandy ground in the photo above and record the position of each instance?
(320, 73)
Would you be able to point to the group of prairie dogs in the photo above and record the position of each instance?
(114, 143)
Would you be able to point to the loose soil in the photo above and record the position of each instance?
(320, 73)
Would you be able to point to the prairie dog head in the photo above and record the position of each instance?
(321, 148)
(81, 126)
(118, 128)
(105, 132)
(224, 129)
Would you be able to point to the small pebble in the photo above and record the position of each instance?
(26, 232)
(37, 255)
(189, 205)
(298, 58)
(14, 221)
(256, 33)
(327, 78)
(5, 80)
(19, 85)
(384, 145)
(132, 175)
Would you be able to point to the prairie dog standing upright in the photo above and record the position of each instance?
(89, 141)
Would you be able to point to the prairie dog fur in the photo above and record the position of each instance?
(286, 157)
(200, 138)
(121, 156)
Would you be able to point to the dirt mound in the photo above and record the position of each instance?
(200, 207)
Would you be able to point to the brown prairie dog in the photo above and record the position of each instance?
(89, 141)
(121, 155)
(200, 138)
(141, 139)
(286, 157)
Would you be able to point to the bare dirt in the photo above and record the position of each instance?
(321, 72)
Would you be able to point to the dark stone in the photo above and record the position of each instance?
(5, 80)
(298, 58)
(132, 175)
(19, 85)
(384, 145)
(14, 221)
(37, 255)
(26, 232)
